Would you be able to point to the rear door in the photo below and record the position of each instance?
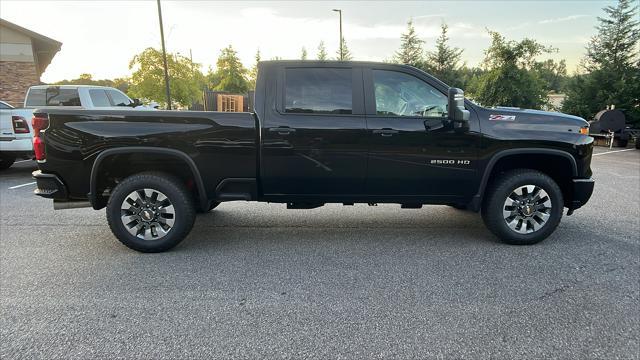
(414, 149)
(313, 133)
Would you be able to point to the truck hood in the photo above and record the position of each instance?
(534, 116)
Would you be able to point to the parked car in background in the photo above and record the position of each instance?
(15, 123)
(5, 105)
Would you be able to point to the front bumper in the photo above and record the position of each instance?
(49, 186)
(582, 190)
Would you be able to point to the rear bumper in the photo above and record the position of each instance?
(582, 190)
(13, 144)
(49, 186)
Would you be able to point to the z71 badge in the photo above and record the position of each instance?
(502, 117)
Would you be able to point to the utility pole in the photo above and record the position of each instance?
(339, 11)
(164, 58)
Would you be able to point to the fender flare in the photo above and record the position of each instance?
(477, 199)
(93, 182)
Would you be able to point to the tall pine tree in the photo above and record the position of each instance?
(613, 65)
(230, 74)
(410, 52)
(343, 52)
(253, 73)
(443, 62)
(322, 51)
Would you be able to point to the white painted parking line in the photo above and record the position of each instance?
(610, 152)
(22, 185)
(23, 161)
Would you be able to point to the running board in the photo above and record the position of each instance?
(64, 205)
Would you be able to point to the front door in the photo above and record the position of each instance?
(413, 147)
(314, 139)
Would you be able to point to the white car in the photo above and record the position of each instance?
(15, 123)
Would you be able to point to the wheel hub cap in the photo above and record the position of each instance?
(147, 214)
(527, 209)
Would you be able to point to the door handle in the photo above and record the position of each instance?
(385, 132)
(282, 130)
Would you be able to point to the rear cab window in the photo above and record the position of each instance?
(318, 91)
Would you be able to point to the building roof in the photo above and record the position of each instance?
(44, 48)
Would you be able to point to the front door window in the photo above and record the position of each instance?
(400, 94)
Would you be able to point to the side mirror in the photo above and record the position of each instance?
(457, 113)
(136, 102)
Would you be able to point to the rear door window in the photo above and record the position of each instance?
(99, 98)
(62, 97)
(318, 91)
(53, 96)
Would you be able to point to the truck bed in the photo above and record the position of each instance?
(221, 145)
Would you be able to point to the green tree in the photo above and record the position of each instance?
(230, 74)
(612, 66)
(121, 84)
(303, 54)
(553, 74)
(343, 52)
(253, 73)
(147, 80)
(508, 79)
(444, 61)
(322, 51)
(410, 52)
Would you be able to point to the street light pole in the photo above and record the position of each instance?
(339, 11)
(164, 58)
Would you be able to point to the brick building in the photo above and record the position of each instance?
(24, 55)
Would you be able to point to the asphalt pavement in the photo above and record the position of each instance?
(259, 281)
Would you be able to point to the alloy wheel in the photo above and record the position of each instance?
(527, 209)
(147, 214)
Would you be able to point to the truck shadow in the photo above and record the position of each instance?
(19, 169)
(334, 224)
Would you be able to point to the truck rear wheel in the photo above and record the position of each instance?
(6, 160)
(150, 212)
(523, 207)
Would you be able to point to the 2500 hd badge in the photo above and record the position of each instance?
(450, 162)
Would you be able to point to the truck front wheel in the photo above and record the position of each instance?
(523, 207)
(150, 212)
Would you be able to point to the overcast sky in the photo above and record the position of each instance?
(101, 37)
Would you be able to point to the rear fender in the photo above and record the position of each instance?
(94, 197)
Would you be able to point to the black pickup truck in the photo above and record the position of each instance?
(322, 132)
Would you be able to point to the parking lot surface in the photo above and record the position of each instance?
(257, 280)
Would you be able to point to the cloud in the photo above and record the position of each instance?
(562, 19)
(429, 16)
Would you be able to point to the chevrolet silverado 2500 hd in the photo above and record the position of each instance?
(322, 132)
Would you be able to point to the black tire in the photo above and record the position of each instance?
(505, 186)
(637, 143)
(167, 185)
(6, 160)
